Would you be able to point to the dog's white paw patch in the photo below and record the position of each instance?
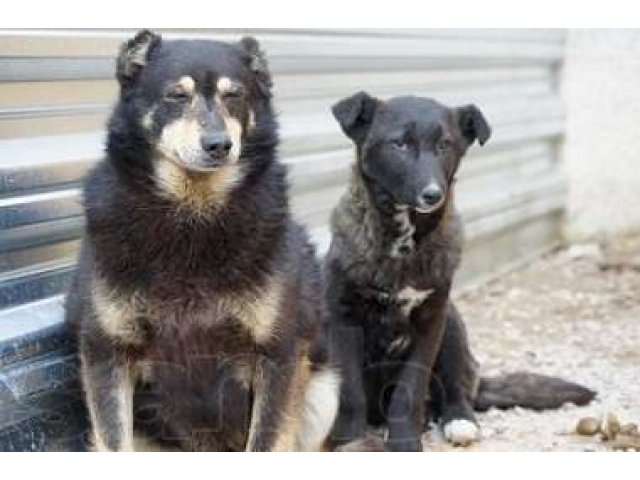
(461, 432)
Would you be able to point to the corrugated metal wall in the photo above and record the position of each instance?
(56, 88)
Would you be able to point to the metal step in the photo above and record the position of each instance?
(41, 400)
(35, 282)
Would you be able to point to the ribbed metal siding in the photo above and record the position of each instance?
(56, 88)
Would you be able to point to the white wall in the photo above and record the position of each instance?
(602, 151)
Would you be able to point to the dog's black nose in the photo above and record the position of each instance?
(217, 145)
(432, 195)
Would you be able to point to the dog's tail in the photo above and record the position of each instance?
(529, 390)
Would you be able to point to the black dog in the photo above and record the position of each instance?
(197, 300)
(395, 248)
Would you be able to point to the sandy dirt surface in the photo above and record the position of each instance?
(574, 314)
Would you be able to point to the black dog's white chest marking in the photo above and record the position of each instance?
(403, 243)
(406, 299)
(409, 298)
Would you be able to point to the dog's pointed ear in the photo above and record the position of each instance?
(473, 125)
(257, 63)
(355, 114)
(134, 55)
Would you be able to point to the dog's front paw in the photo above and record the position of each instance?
(406, 444)
(368, 443)
(461, 432)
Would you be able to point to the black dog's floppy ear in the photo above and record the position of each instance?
(257, 63)
(354, 114)
(133, 56)
(473, 124)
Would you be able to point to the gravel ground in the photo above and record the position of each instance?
(574, 314)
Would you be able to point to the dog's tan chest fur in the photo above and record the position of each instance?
(258, 313)
(199, 191)
(120, 315)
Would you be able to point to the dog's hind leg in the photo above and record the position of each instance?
(319, 410)
(453, 384)
(108, 385)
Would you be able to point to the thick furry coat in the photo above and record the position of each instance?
(396, 245)
(198, 300)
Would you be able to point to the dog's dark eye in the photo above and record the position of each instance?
(236, 91)
(399, 144)
(176, 95)
(444, 145)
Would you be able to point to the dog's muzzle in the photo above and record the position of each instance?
(430, 199)
(217, 145)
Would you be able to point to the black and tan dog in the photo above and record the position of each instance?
(197, 300)
(395, 248)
